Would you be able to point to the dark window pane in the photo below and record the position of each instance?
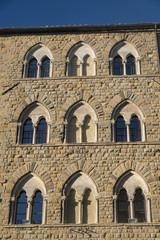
(139, 206)
(32, 69)
(135, 129)
(45, 68)
(21, 208)
(37, 208)
(130, 66)
(121, 130)
(122, 206)
(117, 66)
(41, 135)
(27, 132)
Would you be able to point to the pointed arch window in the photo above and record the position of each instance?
(41, 134)
(139, 206)
(37, 208)
(121, 130)
(118, 66)
(122, 206)
(135, 129)
(45, 67)
(32, 68)
(21, 208)
(27, 132)
(130, 65)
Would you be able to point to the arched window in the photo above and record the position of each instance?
(41, 134)
(88, 207)
(38, 62)
(27, 201)
(122, 206)
(139, 206)
(125, 51)
(130, 65)
(81, 61)
(135, 129)
(33, 124)
(27, 132)
(118, 66)
(121, 130)
(45, 67)
(79, 201)
(81, 124)
(21, 208)
(128, 123)
(131, 203)
(32, 68)
(37, 208)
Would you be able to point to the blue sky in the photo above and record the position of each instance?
(25, 13)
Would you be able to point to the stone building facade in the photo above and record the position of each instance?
(80, 132)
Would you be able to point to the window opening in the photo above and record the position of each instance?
(21, 208)
(41, 135)
(27, 132)
(118, 66)
(135, 129)
(37, 208)
(130, 66)
(32, 69)
(45, 68)
(122, 206)
(121, 130)
(139, 206)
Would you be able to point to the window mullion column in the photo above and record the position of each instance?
(128, 132)
(80, 198)
(19, 133)
(131, 208)
(80, 131)
(148, 209)
(115, 208)
(34, 133)
(29, 209)
(81, 67)
(124, 66)
(38, 69)
(44, 210)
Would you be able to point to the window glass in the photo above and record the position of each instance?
(32, 69)
(135, 129)
(117, 66)
(139, 206)
(121, 130)
(21, 208)
(122, 206)
(130, 66)
(37, 208)
(27, 132)
(41, 135)
(45, 68)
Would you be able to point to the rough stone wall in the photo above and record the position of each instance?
(104, 161)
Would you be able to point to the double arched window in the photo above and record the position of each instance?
(132, 132)
(80, 124)
(131, 199)
(81, 61)
(27, 201)
(38, 62)
(80, 200)
(34, 124)
(124, 59)
(128, 124)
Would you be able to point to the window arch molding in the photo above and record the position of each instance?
(124, 49)
(81, 51)
(81, 110)
(30, 183)
(80, 183)
(38, 52)
(131, 182)
(127, 110)
(35, 112)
